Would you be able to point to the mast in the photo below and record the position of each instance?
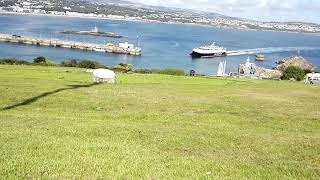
(137, 41)
(220, 69)
(224, 67)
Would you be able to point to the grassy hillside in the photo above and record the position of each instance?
(55, 123)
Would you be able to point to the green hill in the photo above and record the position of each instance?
(56, 124)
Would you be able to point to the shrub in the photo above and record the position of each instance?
(72, 63)
(14, 62)
(155, 71)
(171, 71)
(42, 61)
(39, 60)
(307, 71)
(143, 71)
(293, 72)
(48, 63)
(90, 65)
(123, 67)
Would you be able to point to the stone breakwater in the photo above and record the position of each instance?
(108, 48)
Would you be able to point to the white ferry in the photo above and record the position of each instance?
(209, 51)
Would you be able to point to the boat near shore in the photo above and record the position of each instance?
(94, 32)
(259, 57)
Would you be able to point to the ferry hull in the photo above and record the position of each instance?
(211, 55)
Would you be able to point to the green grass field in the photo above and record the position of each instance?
(56, 124)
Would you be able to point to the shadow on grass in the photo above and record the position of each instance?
(36, 98)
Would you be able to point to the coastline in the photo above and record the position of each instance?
(154, 21)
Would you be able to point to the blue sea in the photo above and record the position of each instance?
(164, 45)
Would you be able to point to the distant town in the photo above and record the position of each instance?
(123, 10)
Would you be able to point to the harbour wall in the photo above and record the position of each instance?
(108, 48)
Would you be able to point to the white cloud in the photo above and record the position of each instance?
(267, 10)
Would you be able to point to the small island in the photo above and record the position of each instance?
(94, 32)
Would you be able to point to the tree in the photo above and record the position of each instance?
(293, 72)
(39, 60)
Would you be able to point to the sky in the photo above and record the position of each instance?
(262, 10)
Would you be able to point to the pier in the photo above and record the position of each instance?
(106, 48)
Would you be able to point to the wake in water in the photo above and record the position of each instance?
(269, 50)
